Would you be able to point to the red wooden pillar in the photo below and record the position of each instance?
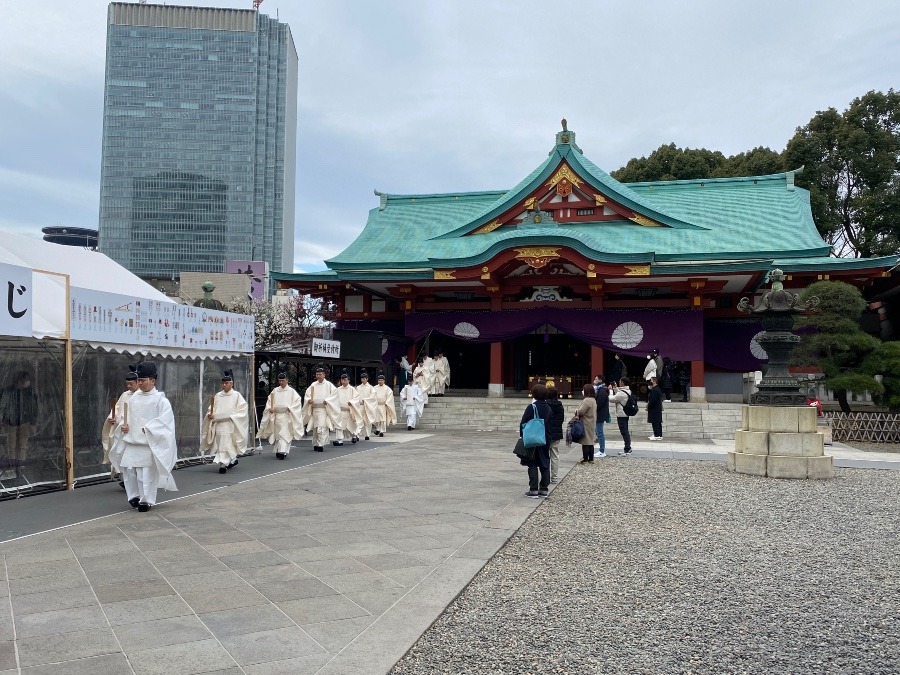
(495, 384)
(596, 361)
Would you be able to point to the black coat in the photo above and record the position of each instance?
(557, 419)
(617, 371)
(654, 405)
(542, 452)
(602, 398)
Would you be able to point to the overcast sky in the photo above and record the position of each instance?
(413, 96)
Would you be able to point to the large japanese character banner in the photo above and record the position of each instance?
(97, 316)
(15, 319)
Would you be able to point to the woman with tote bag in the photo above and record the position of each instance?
(540, 461)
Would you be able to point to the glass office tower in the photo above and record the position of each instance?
(199, 139)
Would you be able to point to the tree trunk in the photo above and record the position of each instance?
(841, 396)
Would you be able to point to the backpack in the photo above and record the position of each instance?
(631, 407)
(576, 428)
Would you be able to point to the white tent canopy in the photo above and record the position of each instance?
(86, 269)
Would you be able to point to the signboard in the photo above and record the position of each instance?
(15, 319)
(257, 270)
(97, 316)
(329, 349)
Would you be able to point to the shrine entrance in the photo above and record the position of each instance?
(549, 355)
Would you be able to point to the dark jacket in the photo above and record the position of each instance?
(557, 418)
(617, 371)
(667, 376)
(602, 398)
(654, 405)
(542, 452)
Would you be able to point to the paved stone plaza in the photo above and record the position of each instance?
(340, 566)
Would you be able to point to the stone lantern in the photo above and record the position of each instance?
(778, 435)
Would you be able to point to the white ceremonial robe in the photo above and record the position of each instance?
(430, 375)
(282, 420)
(420, 377)
(108, 435)
(225, 435)
(439, 377)
(413, 402)
(349, 421)
(366, 405)
(321, 415)
(446, 382)
(147, 453)
(385, 411)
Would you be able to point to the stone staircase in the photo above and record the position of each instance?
(689, 421)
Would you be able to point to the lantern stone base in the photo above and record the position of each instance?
(780, 442)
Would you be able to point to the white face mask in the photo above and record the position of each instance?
(649, 357)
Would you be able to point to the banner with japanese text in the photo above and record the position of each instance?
(97, 316)
(15, 319)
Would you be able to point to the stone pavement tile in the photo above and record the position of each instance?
(193, 566)
(7, 630)
(329, 568)
(161, 542)
(140, 572)
(133, 590)
(188, 551)
(127, 559)
(145, 609)
(433, 556)
(221, 536)
(354, 525)
(107, 664)
(243, 620)
(281, 591)
(287, 543)
(42, 569)
(366, 548)
(484, 545)
(217, 598)
(185, 659)
(162, 632)
(52, 600)
(271, 645)
(52, 582)
(237, 548)
(8, 656)
(410, 544)
(376, 602)
(286, 572)
(362, 581)
(335, 635)
(254, 560)
(409, 576)
(60, 621)
(225, 578)
(66, 646)
(326, 608)
(17, 553)
(341, 538)
(92, 548)
(514, 515)
(304, 665)
(389, 561)
(311, 553)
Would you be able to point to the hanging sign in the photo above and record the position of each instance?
(97, 316)
(329, 349)
(15, 319)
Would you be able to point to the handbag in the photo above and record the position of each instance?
(521, 451)
(533, 431)
(577, 428)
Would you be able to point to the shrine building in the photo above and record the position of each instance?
(570, 267)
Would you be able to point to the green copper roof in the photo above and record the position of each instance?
(748, 222)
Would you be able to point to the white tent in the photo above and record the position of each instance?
(86, 269)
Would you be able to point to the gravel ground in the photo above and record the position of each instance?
(661, 566)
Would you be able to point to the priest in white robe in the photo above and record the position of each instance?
(225, 425)
(111, 424)
(430, 375)
(145, 441)
(413, 402)
(421, 377)
(365, 405)
(348, 401)
(321, 410)
(385, 411)
(441, 373)
(282, 420)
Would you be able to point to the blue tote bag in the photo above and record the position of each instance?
(533, 431)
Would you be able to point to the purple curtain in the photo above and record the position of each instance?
(676, 333)
(728, 344)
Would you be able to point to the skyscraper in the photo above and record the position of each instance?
(199, 139)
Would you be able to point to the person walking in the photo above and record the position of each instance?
(225, 427)
(683, 375)
(650, 369)
(655, 409)
(282, 421)
(557, 418)
(602, 398)
(619, 396)
(587, 413)
(540, 462)
(412, 400)
(617, 370)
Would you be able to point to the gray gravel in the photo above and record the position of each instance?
(662, 566)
